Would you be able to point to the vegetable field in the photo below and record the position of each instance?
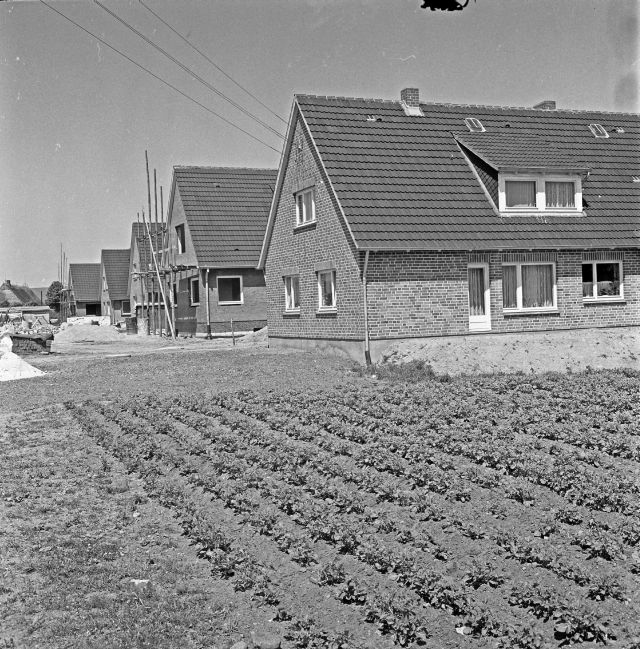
(475, 512)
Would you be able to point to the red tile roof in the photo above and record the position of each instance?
(86, 282)
(226, 211)
(404, 183)
(116, 269)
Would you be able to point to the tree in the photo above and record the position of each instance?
(54, 295)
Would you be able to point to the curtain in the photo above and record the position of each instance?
(509, 287)
(476, 291)
(521, 193)
(292, 286)
(537, 286)
(326, 289)
(560, 194)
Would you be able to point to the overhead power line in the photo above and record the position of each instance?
(215, 65)
(166, 83)
(188, 70)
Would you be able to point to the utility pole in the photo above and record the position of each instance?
(153, 312)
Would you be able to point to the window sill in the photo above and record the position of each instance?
(230, 303)
(328, 313)
(291, 314)
(194, 303)
(524, 312)
(310, 225)
(603, 300)
(541, 213)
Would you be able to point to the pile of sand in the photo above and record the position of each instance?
(12, 367)
(537, 351)
(255, 338)
(87, 333)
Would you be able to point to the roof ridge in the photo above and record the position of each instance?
(225, 168)
(459, 105)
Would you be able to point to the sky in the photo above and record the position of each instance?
(76, 117)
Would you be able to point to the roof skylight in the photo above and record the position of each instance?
(474, 124)
(598, 130)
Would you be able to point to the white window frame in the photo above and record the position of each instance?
(290, 294)
(541, 200)
(603, 298)
(301, 215)
(327, 309)
(230, 302)
(191, 281)
(519, 298)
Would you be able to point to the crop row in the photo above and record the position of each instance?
(229, 555)
(486, 444)
(315, 513)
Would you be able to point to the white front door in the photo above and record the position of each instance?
(479, 297)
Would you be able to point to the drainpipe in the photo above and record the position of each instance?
(367, 351)
(206, 282)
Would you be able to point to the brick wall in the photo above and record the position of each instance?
(246, 317)
(328, 240)
(425, 294)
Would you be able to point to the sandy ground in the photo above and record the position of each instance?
(558, 351)
(87, 340)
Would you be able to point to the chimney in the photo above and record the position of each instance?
(410, 96)
(547, 104)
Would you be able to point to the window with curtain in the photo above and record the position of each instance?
(509, 287)
(520, 193)
(560, 194)
(601, 280)
(537, 286)
(305, 207)
(292, 293)
(327, 289)
(528, 286)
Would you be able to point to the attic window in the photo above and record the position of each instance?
(598, 130)
(635, 179)
(474, 125)
(374, 118)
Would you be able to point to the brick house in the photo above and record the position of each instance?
(215, 227)
(114, 271)
(85, 290)
(400, 219)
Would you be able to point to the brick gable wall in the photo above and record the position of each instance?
(303, 248)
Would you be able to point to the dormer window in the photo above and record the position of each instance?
(520, 193)
(560, 194)
(539, 193)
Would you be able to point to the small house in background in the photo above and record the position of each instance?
(215, 226)
(16, 295)
(85, 290)
(397, 220)
(114, 272)
(142, 283)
